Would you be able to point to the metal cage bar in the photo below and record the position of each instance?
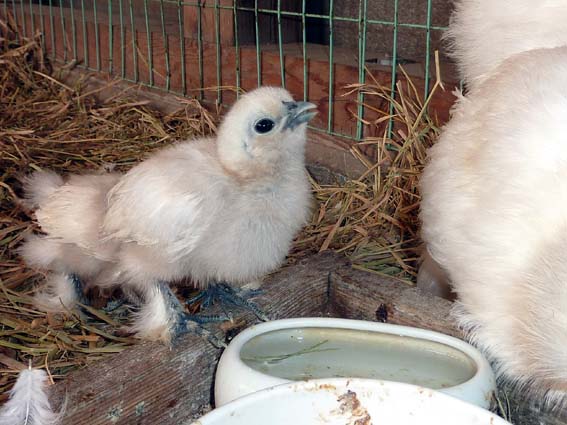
(41, 23)
(64, 32)
(362, 27)
(280, 43)
(236, 49)
(331, 67)
(428, 49)
(182, 48)
(97, 37)
(24, 26)
(200, 48)
(110, 39)
(15, 14)
(394, 69)
(304, 50)
(165, 47)
(52, 27)
(85, 36)
(73, 29)
(134, 41)
(122, 40)
(218, 52)
(149, 45)
(258, 52)
(32, 23)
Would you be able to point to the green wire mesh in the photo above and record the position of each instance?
(144, 41)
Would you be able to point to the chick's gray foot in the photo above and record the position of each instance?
(113, 305)
(224, 294)
(79, 288)
(189, 323)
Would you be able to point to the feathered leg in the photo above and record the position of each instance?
(162, 317)
(223, 293)
(59, 294)
(432, 279)
(78, 286)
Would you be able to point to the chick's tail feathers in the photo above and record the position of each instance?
(29, 403)
(39, 186)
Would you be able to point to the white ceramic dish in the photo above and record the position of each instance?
(283, 351)
(349, 402)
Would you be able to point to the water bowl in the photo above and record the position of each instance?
(283, 351)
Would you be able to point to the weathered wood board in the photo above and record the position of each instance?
(154, 384)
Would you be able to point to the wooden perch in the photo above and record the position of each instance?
(153, 384)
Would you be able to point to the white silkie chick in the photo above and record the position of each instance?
(494, 204)
(223, 209)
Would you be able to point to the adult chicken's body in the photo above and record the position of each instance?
(494, 205)
(212, 210)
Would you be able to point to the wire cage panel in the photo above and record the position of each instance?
(215, 49)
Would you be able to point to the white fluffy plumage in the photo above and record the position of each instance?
(28, 403)
(218, 209)
(484, 33)
(494, 204)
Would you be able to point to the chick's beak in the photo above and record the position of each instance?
(298, 113)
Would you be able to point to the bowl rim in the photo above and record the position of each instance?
(483, 377)
(360, 384)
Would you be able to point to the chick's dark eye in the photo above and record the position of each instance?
(264, 126)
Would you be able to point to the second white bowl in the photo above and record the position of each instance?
(349, 402)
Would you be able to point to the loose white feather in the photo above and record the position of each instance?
(28, 403)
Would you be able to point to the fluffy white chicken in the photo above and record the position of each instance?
(212, 210)
(483, 33)
(494, 205)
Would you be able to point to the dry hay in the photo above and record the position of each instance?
(46, 124)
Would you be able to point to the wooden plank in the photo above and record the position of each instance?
(365, 296)
(106, 87)
(148, 384)
(332, 153)
(151, 383)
